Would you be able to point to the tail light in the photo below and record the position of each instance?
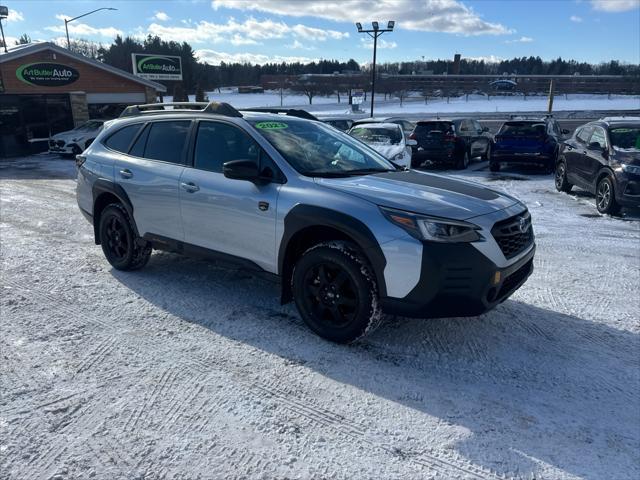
(449, 137)
(413, 136)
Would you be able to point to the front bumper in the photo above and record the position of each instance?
(65, 149)
(457, 280)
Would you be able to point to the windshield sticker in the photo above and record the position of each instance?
(271, 125)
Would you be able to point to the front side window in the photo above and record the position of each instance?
(599, 137)
(217, 143)
(314, 149)
(121, 140)
(166, 141)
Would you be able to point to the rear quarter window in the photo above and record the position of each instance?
(120, 141)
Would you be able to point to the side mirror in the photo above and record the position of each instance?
(595, 146)
(411, 142)
(241, 170)
(565, 131)
(485, 129)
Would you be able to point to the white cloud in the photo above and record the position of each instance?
(14, 16)
(297, 45)
(575, 18)
(520, 40)
(85, 30)
(615, 5)
(161, 16)
(249, 32)
(382, 43)
(449, 16)
(215, 58)
(486, 59)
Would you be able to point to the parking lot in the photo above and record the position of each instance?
(191, 369)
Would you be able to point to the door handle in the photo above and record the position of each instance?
(190, 187)
(126, 173)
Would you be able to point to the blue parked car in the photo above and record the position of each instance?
(527, 141)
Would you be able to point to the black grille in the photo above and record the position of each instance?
(514, 234)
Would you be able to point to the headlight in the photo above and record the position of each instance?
(431, 228)
(635, 169)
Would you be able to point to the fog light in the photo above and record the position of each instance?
(496, 278)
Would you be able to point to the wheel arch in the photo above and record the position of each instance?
(105, 193)
(305, 226)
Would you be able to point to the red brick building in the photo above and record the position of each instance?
(45, 89)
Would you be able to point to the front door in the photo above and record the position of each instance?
(236, 217)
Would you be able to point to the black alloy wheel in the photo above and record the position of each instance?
(605, 196)
(562, 184)
(120, 244)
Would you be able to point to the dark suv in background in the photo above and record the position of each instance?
(603, 157)
(527, 141)
(454, 141)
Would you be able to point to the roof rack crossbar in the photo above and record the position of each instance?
(291, 112)
(218, 108)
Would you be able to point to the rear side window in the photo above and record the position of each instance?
(121, 140)
(218, 143)
(166, 141)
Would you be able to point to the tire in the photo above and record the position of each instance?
(606, 196)
(119, 241)
(562, 184)
(487, 153)
(494, 166)
(463, 162)
(335, 291)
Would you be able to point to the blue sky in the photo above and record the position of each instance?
(305, 30)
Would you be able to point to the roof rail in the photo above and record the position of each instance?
(218, 108)
(291, 112)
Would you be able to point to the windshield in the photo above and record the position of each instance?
(315, 149)
(378, 135)
(523, 128)
(89, 126)
(627, 137)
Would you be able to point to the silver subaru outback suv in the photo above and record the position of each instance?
(350, 235)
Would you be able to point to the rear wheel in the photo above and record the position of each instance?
(605, 196)
(119, 242)
(487, 153)
(562, 184)
(463, 160)
(335, 291)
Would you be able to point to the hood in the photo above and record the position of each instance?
(423, 193)
(387, 150)
(627, 155)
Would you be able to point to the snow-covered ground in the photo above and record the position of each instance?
(188, 369)
(414, 105)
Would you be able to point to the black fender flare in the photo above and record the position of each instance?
(302, 216)
(102, 186)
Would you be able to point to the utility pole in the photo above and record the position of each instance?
(550, 105)
(67, 21)
(374, 33)
(4, 13)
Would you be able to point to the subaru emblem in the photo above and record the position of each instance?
(523, 224)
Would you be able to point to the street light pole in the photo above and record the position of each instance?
(69, 20)
(374, 33)
(4, 13)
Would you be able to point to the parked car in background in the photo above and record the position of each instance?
(603, 157)
(341, 122)
(73, 142)
(387, 139)
(407, 126)
(527, 142)
(454, 141)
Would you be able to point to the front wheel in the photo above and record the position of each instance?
(605, 196)
(336, 293)
(562, 184)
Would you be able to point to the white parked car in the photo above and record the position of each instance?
(387, 139)
(73, 142)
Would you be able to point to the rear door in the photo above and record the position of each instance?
(150, 175)
(236, 217)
